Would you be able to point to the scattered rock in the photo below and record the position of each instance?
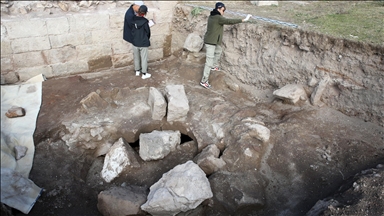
(93, 100)
(291, 93)
(63, 6)
(102, 149)
(15, 112)
(119, 158)
(208, 159)
(121, 200)
(20, 151)
(158, 144)
(312, 82)
(193, 43)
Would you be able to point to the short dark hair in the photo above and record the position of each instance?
(219, 5)
(143, 9)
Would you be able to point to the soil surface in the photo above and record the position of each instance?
(316, 155)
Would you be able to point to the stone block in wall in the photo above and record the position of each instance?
(155, 54)
(157, 41)
(28, 59)
(9, 78)
(160, 29)
(116, 21)
(122, 60)
(86, 22)
(6, 47)
(101, 36)
(64, 54)
(6, 63)
(103, 62)
(93, 51)
(21, 45)
(163, 16)
(121, 47)
(73, 39)
(29, 72)
(70, 67)
(57, 25)
(25, 28)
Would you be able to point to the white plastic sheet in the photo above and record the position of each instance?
(17, 191)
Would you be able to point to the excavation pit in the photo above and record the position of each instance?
(314, 147)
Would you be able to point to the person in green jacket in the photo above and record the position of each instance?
(213, 38)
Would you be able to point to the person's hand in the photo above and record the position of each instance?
(247, 18)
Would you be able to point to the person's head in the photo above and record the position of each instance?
(220, 7)
(142, 10)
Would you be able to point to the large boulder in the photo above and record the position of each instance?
(181, 189)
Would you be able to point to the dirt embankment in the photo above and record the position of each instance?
(271, 56)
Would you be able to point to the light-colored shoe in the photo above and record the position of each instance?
(137, 73)
(146, 76)
(215, 68)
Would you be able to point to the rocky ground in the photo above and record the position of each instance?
(318, 161)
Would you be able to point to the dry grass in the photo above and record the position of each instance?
(354, 20)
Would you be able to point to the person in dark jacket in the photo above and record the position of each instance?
(141, 34)
(129, 14)
(213, 38)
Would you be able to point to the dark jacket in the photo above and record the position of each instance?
(127, 33)
(141, 32)
(215, 27)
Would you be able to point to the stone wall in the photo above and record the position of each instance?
(58, 38)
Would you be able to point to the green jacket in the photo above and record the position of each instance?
(215, 27)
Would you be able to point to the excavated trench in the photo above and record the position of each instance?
(311, 152)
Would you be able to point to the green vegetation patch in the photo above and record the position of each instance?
(364, 22)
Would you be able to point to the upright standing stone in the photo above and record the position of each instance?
(157, 103)
(316, 94)
(178, 106)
